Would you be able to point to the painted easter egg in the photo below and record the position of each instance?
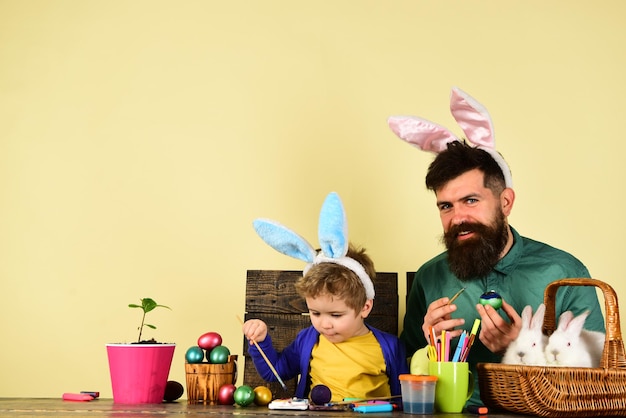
(320, 394)
(209, 340)
(219, 355)
(262, 395)
(491, 298)
(194, 355)
(243, 395)
(173, 391)
(225, 395)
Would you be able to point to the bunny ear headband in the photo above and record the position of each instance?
(471, 116)
(332, 235)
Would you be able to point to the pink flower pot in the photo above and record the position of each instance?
(139, 372)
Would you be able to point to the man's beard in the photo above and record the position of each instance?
(476, 256)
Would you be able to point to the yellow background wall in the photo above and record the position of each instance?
(139, 139)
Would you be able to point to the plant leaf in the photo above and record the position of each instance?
(134, 305)
(148, 304)
(150, 326)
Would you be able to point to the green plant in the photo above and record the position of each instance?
(146, 306)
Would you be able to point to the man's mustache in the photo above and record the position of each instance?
(455, 230)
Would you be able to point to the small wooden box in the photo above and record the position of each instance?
(204, 380)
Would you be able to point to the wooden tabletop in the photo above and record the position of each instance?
(33, 407)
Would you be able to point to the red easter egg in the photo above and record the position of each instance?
(225, 395)
(209, 340)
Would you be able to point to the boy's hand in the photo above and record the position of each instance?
(255, 330)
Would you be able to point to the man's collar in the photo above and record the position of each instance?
(509, 261)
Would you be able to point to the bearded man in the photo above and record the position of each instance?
(485, 253)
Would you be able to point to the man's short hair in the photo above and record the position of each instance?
(459, 158)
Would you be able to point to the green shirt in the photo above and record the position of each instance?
(520, 278)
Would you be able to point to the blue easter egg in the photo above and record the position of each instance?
(194, 355)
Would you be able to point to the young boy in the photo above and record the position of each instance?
(339, 350)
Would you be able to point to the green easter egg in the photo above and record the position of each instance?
(491, 298)
(219, 355)
(244, 395)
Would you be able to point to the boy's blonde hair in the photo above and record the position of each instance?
(337, 280)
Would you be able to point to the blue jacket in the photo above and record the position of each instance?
(294, 359)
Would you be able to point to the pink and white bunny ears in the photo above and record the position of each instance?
(332, 235)
(471, 116)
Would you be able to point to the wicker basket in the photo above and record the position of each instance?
(563, 391)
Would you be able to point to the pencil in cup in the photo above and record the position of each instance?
(472, 337)
(442, 347)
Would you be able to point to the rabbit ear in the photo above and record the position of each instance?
(333, 236)
(426, 135)
(475, 121)
(526, 316)
(473, 118)
(564, 320)
(575, 326)
(284, 240)
(333, 227)
(537, 321)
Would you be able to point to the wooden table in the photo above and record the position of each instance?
(16, 407)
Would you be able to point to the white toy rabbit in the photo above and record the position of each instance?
(572, 346)
(528, 347)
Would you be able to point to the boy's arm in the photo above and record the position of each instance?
(285, 363)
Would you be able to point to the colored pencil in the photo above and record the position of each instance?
(443, 345)
(433, 340)
(348, 401)
(438, 350)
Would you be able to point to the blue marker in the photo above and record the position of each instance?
(459, 346)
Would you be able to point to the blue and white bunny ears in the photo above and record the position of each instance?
(332, 235)
(471, 116)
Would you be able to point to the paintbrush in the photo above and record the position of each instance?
(456, 295)
(379, 398)
(269, 363)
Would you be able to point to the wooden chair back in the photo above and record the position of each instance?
(410, 275)
(271, 296)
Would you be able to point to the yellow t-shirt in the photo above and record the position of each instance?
(354, 368)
